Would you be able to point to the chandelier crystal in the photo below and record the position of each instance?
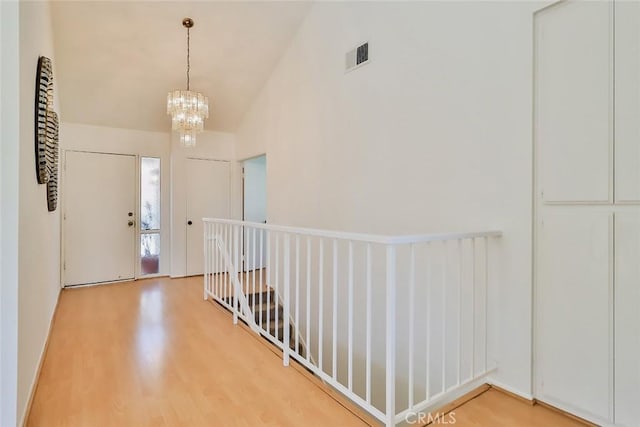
(187, 108)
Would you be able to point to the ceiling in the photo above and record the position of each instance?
(116, 61)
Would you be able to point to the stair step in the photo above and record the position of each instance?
(268, 311)
(257, 297)
(292, 339)
(264, 296)
(271, 309)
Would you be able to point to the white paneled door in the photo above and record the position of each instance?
(587, 202)
(627, 319)
(99, 217)
(575, 315)
(573, 100)
(208, 196)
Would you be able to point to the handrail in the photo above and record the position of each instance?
(361, 237)
(279, 275)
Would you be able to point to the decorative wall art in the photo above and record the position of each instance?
(46, 132)
(52, 160)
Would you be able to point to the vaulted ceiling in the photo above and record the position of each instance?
(116, 61)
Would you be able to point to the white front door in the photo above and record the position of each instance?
(208, 194)
(99, 217)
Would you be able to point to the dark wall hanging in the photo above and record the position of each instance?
(46, 132)
(52, 160)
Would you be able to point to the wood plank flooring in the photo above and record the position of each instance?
(497, 409)
(154, 353)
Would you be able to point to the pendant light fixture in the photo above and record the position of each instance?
(188, 109)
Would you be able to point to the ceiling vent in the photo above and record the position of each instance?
(357, 57)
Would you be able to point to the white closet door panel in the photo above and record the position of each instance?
(627, 320)
(208, 196)
(573, 101)
(627, 112)
(574, 312)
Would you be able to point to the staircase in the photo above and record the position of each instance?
(271, 307)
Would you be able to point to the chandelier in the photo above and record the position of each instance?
(188, 109)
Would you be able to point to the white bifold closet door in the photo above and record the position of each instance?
(587, 220)
(627, 217)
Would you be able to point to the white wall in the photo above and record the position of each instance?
(210, 145)
(38, 230)
(134, 142)
(9, 159)
(433, 135)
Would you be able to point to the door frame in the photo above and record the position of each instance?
(242, 202)
(63, 203)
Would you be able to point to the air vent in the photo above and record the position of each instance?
(357, 57)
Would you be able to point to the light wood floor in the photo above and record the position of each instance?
(496, 409)
(153, 353)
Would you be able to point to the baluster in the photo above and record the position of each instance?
(444, 318)
(297, 303)
(277, 285)
(428, 325)
(253, 246)
(334, 370)
(412, 298)
(350, 317)
(262, 271)
(236, 245)
(308, 335)
(286, 318)
(320, 303)
(390, 406)
(368, 324)
(459, 344)
(486, 302)
(268, 279)
(473, 308)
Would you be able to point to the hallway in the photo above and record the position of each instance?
(153, 353)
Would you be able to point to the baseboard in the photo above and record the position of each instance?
(449, 407)
(533, 401)
(565, 413)
(36, 378)
(525, 397)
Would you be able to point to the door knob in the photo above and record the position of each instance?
(189, 222)
(130, 223)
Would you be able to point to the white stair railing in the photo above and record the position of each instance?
(239, 297)
(398, 324)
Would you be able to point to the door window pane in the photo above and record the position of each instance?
(150, 253)
(150, 194)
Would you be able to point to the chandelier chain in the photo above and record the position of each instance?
(188, 55)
